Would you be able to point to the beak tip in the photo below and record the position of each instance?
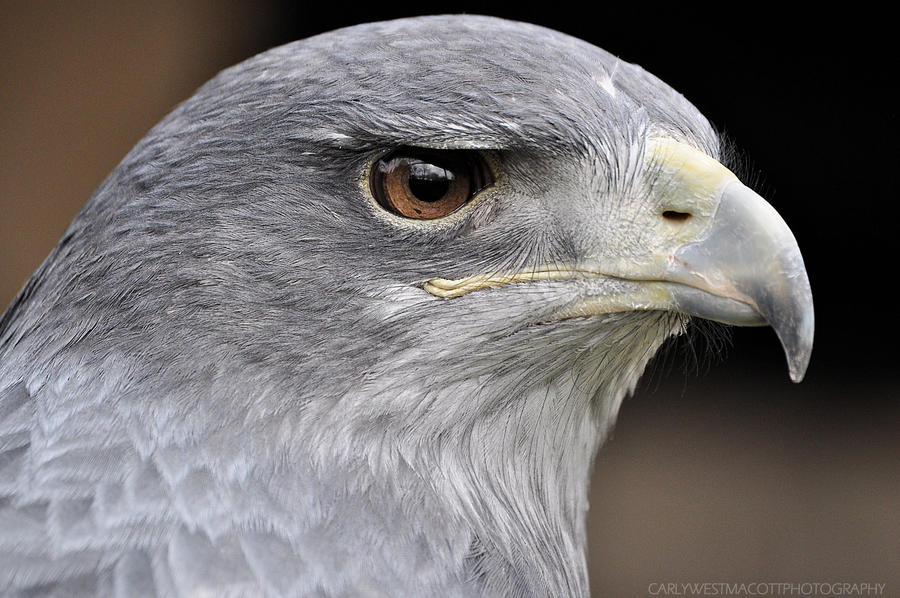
(798, 348)
(798, 371)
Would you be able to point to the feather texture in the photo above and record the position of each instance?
(226, 380)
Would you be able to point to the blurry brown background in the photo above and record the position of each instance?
(720, 470)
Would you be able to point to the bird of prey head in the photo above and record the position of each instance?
(354, 319)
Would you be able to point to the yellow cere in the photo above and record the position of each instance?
(697, 174)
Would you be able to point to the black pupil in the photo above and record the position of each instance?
(429, 182)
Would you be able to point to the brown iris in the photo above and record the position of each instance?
(425, 184)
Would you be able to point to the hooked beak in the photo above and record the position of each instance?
(748, 271)
(738, 263)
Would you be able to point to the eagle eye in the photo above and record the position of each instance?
(425, 184)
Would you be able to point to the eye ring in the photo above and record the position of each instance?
(426, 184)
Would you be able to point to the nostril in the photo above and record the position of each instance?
(676, 216)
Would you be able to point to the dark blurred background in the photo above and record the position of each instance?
(720, 469)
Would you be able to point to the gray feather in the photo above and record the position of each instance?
(226, 379)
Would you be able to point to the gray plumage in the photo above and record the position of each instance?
(226, 380)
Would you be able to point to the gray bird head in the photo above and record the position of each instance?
(245, 283)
